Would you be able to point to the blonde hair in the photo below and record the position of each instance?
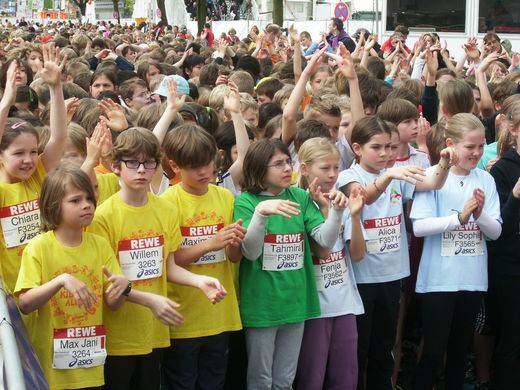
(311, 150)
(283, 94)
(76, 134)
(247, 102)
(460, 124)
(511, 112)
(216, 97)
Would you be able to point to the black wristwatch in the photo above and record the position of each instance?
(128, 289)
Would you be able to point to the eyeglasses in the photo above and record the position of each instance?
(142, 95)
(280, 164)
(135, 164)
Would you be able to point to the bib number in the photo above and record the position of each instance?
(82, 347)
(283, 252)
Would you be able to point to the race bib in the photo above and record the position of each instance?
(466, 240)
(79, 347)
(331, 271)
(141, 258)
(283, 252)
(384, 234)
(193, 235)
(20, 223)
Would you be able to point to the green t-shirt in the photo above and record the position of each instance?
(279, 287)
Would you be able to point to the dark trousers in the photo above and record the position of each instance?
(196, 364)
(448, 327)
(237, 363)
(376, 334)
(505, 292)
(133, 372)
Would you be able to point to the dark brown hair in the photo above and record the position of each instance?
(255, 163)
(190, 146)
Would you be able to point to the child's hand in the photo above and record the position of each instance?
(240, 233)
(71, 105)
(293, 33)
(356, 201)
(231, 234)
(96, 141)
(164, 310)
(347, 65)
(285, 208)
(232, 98)
(423, 128)
(516, 189)
(118, 284)
(173, 99)
(487, 61)
(115, 116)
(409, 173)
(338, 199)
(479, 196)
(212, 288)
(318, 196)
(83, 295)
(315, 61)
(9, 96)
(469, 207)
(451, 155)
(52, 66)
(490, 163)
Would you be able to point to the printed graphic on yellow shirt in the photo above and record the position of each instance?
(76, 346)
(74, 315)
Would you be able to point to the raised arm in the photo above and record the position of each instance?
(174, 103)
(486, 102)
(348, 70)
(9, 95)
(232, 104)
(51, 74)
(290, 111)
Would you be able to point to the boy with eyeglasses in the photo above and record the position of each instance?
(143, 231)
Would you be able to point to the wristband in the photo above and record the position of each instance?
(459, 214)
(126, 293)
(377, 188)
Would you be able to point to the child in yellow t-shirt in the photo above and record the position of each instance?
(198, 355)
(21, 169)
(143, 231)
(65, 275)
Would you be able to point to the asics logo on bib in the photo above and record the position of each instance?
(80, 362)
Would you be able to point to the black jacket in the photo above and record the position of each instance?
(505, 252)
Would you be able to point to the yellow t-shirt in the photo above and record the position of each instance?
(201, 216)
(108, 185)
(65, 335)
(142, 238)
(20, 221)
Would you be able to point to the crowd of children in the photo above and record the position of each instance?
(260, 213)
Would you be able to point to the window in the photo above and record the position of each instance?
(499, 16)
(427, 15)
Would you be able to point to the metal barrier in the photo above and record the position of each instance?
(13, 366)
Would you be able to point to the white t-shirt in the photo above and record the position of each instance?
(335, 279)
(386, 258)
(455, 260)
(347, 155)
(415, 157)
